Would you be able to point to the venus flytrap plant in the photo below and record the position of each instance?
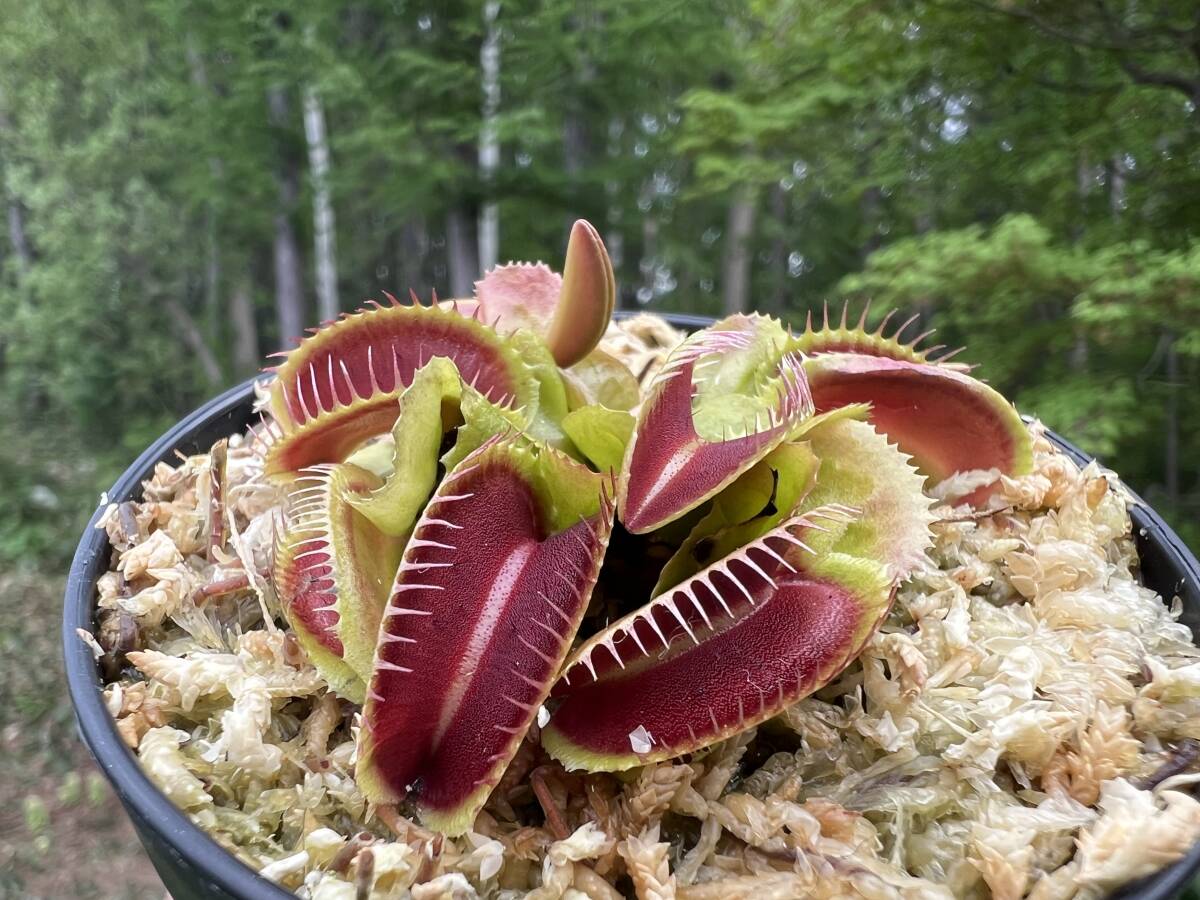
(436, 403)
(932, 408)
(472, 639)
(332, 568)
(456, 472)
(571, 310)
(726, 397)
(772, 593)
(340, 386)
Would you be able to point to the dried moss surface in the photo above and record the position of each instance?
(1026, 722)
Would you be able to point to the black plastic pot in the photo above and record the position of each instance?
(193, 865)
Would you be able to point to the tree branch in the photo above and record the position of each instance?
(1045, 27)
(1189, 86)
(1119, 44)
(1077, 87)
(190, 332)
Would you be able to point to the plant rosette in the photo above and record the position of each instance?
(503, 599)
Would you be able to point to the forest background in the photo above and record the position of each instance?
(185, 184)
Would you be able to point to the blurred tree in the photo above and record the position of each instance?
(187, 183)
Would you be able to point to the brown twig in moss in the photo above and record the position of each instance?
(365, 876)
(555, 821)
(293, 653)
(431, 854)
(513, 786)
(320, 724)
(129, 526)
(222, 587)
(1182, 757)
(403, 827)
(118, 635)
(342, 859)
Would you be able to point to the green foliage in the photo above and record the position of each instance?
(1022, 173)
(70, 791)
(1001, 291)
(37, 817)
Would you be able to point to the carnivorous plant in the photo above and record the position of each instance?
(457, 471)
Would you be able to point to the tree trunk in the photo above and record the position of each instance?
(1083, 189)
(194, 338)
(648, 266)
(1077, 357)
(1171, 439)
(289, 301)
(212, 242)
(578, 105)
(461, 259)
(414, 249)
(870, 205)
(489, 141)
(735, 265)
(1118, 185)
(324, 230)
(289, 296)
(779, 250)
(575, 144)
(212, 272)
(614, 239)
(17, 235)
(576, 147)
(245, 328)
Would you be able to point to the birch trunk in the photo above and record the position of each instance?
(212, 272)
(289, 297)
(324, 228)
(1118, 180)
(462, 261)
(489, 141)
(289, 301)
(578, 107)
(575, 144)
(1077, 358)
(735, 266)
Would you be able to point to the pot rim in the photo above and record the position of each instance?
(151, 809)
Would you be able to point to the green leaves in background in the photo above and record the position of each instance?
(1022, 173)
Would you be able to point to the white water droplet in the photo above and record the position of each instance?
(543, 716)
